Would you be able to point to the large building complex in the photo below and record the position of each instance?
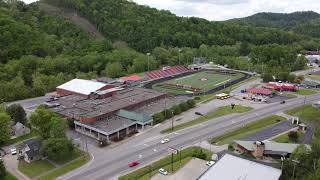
(108, 111)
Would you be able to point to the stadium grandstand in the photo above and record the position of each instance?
(167, 72)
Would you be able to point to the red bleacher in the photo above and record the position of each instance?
(157, 74)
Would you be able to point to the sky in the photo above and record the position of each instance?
(218, 10)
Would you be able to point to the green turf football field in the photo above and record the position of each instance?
(209, 81)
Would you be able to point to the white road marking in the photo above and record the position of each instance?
(155, 150)
(145, 144)
(176, 133)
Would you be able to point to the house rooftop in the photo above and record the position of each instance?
(278, 148)
(34, 147)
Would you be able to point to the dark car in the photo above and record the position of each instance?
(198, 113)
(282, 102)
(133, 164)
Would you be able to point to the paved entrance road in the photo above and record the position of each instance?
(110, 162)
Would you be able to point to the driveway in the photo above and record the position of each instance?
(11, 163)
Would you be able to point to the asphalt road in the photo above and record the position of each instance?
(145, 148)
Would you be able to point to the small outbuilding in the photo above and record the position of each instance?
(19, 129)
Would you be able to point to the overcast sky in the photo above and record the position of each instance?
(227, 9)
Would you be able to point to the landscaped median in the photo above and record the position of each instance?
(221, 111)
(306, 92)
(306, 113)
(179, 161)
(247, 130)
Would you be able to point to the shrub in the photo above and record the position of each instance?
(230, 147)
(197, 98)
(176, 110)
(158, 118)
(293, 136)
(167, 113)
(191, 103)
(184, 106)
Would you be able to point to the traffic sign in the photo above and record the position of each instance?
(172, 150)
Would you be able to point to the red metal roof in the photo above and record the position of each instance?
(131, 78)
(283, 86)
(259, 91)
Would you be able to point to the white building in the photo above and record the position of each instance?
(231, 167)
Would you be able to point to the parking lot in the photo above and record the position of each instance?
(192, 170)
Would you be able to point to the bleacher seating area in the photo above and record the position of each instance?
(175, 70)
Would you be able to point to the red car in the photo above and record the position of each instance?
(133, 164)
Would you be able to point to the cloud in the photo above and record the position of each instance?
(227, 9)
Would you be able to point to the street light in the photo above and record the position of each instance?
(148, 54)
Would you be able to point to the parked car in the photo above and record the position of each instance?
(163, 171)
(166, 140)
(133, 164)
(198, 113)
(210, 163)
(13, 151)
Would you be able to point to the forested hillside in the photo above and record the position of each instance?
(145, 28)
(306, 23)
(39, 51)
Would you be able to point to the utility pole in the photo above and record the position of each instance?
(172, 121)
(171, 161)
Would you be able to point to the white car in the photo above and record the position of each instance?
(163, 141)
(163, 171)
(210, 163)
(13, 151)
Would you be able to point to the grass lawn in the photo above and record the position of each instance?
(32, 134)
(77, 153)
(186, 155)
(66, 168)
(9, 177)
(222, 111)
(290, 95)
(285, 138)
(195, 81)
(35, 168)
(305, 113)
(247, 130)
(306, 92)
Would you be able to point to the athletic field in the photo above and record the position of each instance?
(198, 82)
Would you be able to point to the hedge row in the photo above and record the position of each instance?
(173, 111)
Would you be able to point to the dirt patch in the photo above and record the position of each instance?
(73, 16)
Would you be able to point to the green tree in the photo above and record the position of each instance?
(4, 127)
(57, 148)
(158, 118)
(2, 170)
(114, 70)
(17, 113)
(244, 49)
(48, 124)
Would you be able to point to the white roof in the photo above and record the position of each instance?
(82, 86)
(231, 167)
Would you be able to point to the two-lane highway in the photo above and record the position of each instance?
(114, 161)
